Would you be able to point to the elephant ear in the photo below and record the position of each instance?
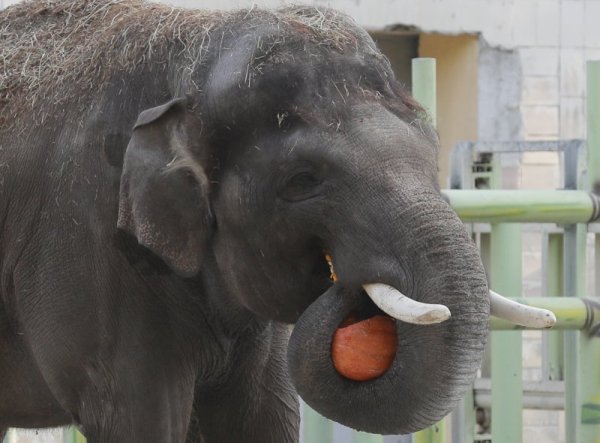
(163, 199)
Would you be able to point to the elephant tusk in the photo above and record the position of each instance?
(520, 314)
(397, 305)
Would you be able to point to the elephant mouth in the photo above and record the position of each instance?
(364, 344)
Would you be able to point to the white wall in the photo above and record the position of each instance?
(5, 3)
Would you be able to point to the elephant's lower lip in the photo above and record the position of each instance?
(363, 350)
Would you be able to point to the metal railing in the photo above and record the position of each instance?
(571, 362)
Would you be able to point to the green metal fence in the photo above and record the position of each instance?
(571, 358)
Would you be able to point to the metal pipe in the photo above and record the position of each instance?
(593, 126)
(505, 277)
(562, 207)
(545, 395)
(424, 85)
(588, 376)
(424, 90)
(315, 426)
(552, 342)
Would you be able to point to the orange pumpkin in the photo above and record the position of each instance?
(364, 350)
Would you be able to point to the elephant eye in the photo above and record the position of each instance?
(301, 186)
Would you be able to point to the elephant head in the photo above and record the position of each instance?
(298, 146)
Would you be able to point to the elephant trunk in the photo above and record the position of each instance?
(434, 364)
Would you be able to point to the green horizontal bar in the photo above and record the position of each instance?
(516, 206)
(571, 313)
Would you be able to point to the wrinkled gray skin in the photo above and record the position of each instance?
(147, 274)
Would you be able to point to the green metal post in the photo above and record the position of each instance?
(316, 427)
(424, 87)
(72, 435)
(433, 434)
(574, 250)
(463, 419)
(11, 436)
(507, 374)
(363, 437)
(597, 265)
(589, 378)
(485, 249)
(593, 120)
(574, 253)
(553, 340)
(424, 90)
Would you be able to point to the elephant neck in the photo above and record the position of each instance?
(236, 319)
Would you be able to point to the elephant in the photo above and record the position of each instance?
(171, 183)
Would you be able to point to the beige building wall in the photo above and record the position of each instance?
(457, 76)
